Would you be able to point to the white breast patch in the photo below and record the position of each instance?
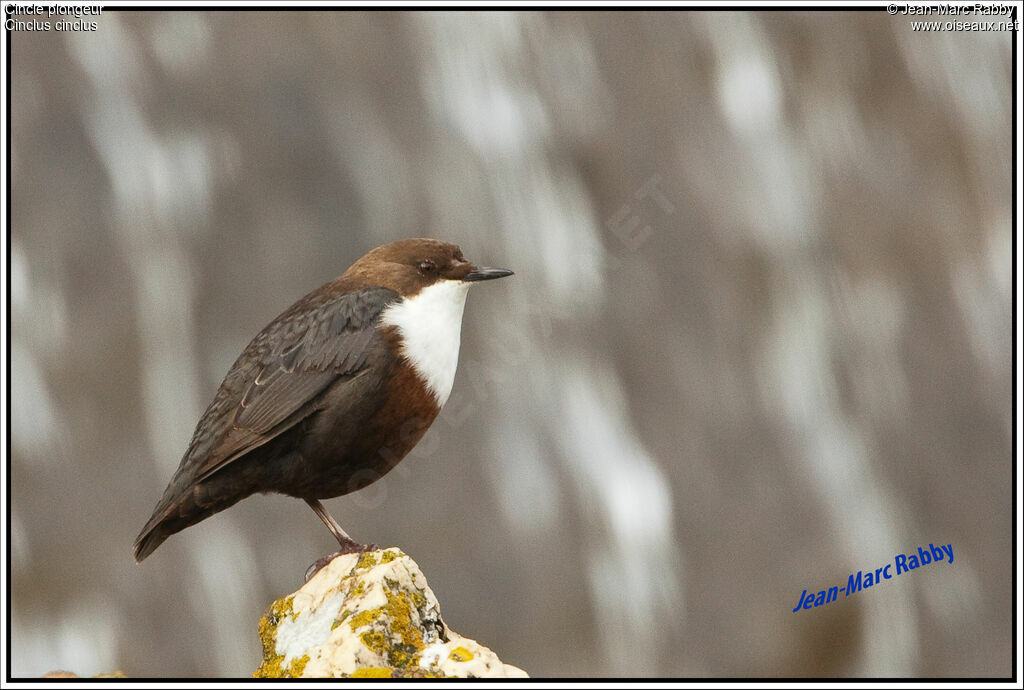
(430, 324)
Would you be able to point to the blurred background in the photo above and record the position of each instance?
(758, 338)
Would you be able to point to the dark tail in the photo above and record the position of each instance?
(148, 540)
(179, 509)
(170, 517)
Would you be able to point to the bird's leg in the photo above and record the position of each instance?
(347, 544)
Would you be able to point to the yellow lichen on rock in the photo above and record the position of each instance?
(272, 662)
(372, 672)
(369, 615)
(395, 633)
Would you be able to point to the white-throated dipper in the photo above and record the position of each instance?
(332, 393)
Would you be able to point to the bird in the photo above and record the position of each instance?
(332, 393)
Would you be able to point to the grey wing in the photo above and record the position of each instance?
(309, 351)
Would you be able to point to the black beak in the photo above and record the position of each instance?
(486, 274)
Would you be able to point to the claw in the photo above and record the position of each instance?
(351, 547)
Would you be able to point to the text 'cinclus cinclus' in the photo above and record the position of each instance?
(332, 393)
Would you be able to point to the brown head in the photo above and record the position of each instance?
(408, 266)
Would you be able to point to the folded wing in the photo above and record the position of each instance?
(298, 359)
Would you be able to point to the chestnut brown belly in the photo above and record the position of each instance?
(364, 429)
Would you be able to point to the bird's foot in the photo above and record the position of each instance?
(352, 547)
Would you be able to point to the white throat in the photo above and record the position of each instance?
(430, 324)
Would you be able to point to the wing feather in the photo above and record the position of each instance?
(277, 381)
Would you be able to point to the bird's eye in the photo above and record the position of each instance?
(427, 266)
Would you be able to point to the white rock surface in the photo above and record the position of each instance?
(369, 615)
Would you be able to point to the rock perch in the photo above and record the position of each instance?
(369, 615)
